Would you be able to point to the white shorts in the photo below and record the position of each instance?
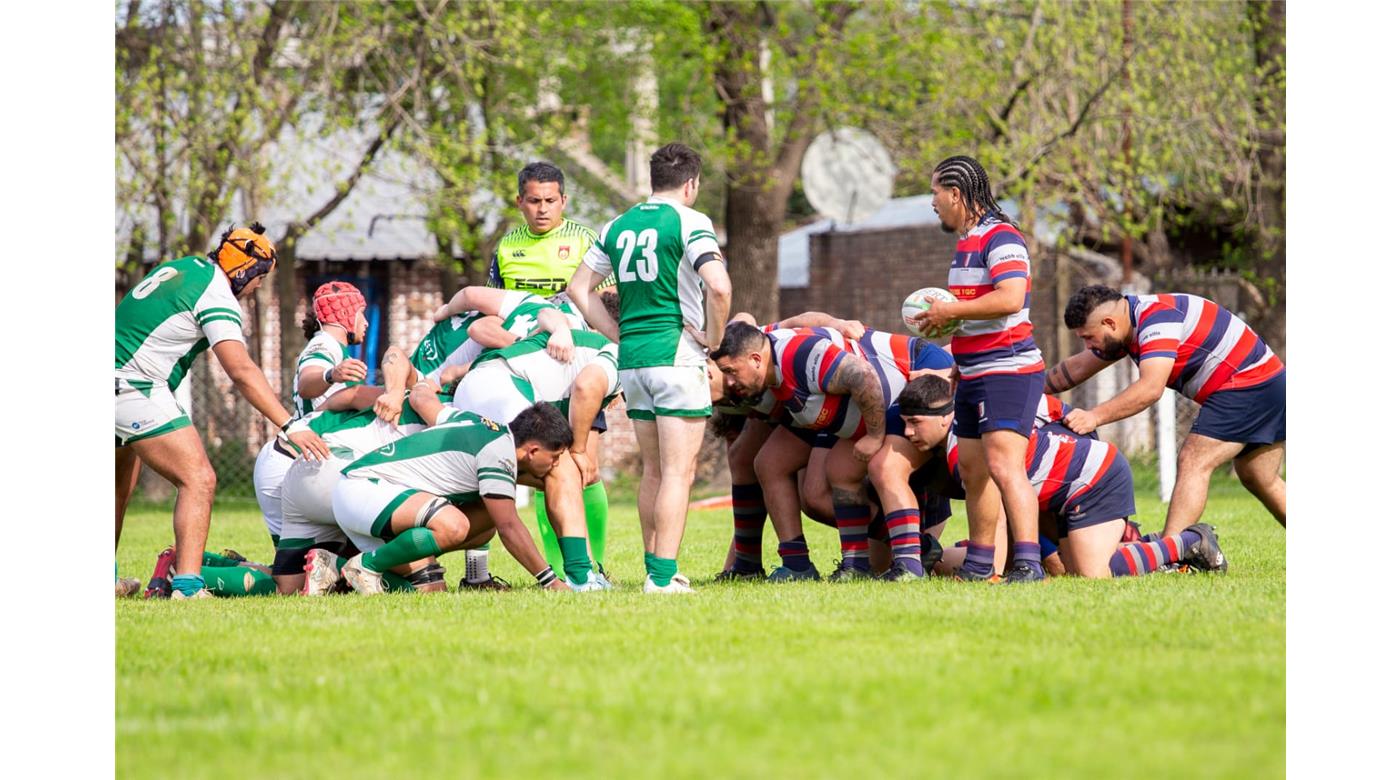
(493, 392)
(308, 517)
(666, 391)
(269, 470)
(362, 510)
(147, 412)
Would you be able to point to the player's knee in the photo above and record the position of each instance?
(450, 528)
(1003, 472)
(201, 480)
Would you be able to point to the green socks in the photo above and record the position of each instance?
(661, 570)
(595, 512)
(576, 563)
(407, 547)
(230, 581)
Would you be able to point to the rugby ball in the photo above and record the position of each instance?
(915, 304)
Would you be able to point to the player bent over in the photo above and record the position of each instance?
(162, 325)
(1084, 483)
(505, 382)
(1204, 352)
(673, 293)
(336, 321)
(449, 487)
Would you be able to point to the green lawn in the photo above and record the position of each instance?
(1159, 676)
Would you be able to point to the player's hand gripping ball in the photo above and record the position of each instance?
(916, 304)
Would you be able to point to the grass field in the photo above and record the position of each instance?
(1164, 676)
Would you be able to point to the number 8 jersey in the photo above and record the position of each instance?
(180, 309)
(655, 249)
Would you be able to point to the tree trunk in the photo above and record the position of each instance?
(1268, 21)
(288, 295)
(752, 250)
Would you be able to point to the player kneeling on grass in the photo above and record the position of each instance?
(505, 382)
(1086, 484)
(447, 488)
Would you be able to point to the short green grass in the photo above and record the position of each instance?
(1161, 676)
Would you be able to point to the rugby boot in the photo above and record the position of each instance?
(127, 587)
(233, 555)
(202, 593)
(490, 583)
(361, 579)
(679, 584)
(159, 587)
(1206, 554)
(849, 574)
(1020, 571)
(784, 574)
(897, 573)
(961, 574)
(593, 583)
(734, 575)
(321, 574)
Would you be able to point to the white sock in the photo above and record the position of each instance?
(477, 570)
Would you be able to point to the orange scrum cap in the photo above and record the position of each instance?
(245, 254)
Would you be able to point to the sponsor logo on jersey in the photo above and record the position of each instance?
(518, 253)
(563, 251)
(387, 450)
(822, 418)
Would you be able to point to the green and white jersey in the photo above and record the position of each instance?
(540, 377)
(446, 344)
(520, 312)
(655, 248)
(323, 352)
(462, 458)
(353, 434)
(174, 314)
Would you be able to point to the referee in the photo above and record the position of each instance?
(539, 256)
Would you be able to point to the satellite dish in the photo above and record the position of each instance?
(847, 175)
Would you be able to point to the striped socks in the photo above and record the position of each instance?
(903, 525)
(794, 553)
(749, 514)
(1133, 560)
(852, 522)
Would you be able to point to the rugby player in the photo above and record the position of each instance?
(674, 296)
(825, 388)
(446, 488)
(162, 325)
(1085, 484)
(507, 381)
(335, 320)
(999, 365)
(1208, 354)
(540, 255)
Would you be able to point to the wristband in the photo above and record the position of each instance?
(327, 376)
(287, 424)
(546, 577)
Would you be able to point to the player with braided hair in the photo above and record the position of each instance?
(1001, 372)
(162, 325)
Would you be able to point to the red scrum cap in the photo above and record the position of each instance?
(338, 303)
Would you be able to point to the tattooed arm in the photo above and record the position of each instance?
(857, 378)
(1073, 370)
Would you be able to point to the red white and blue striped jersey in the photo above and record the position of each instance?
(1062, 465)
(1213, 348)
(991, 253)
(806, 360)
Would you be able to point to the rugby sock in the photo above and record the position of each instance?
(576, 563)
(548, 541)
(649, 560)
(237, 581)
(1047, 547)
(749, 514)
(663, 569)
(214, 559)
(1139, 558)
(794, 553)
(187, 584)
(903, 525)
(394, 583)
(477, 570)
(980, 559)
(595, 514)
(852, 522)
(407, 547)
(1029, 554)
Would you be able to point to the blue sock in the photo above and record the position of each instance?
(980, 559)
(1029, 554)
(187, 584)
